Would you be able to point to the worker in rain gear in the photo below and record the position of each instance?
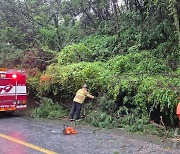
(78, 100)
(178, 110)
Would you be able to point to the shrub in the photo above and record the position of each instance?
(73, 54)
(137, 62)
(100, 119)
(128, 80)
(49, 109)
(101, 46)
(67, 79)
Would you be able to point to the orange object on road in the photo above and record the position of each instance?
(69, 131)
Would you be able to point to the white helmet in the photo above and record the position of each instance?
(85, 86)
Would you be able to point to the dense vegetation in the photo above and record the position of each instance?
(126, 51)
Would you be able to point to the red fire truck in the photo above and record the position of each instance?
(13, 94)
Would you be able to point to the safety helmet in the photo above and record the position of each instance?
(85, 86)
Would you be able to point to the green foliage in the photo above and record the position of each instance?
(50, 37)
(49, 110)
(161, 38)
(100, 119)
(32, 84)
(57, 38)
(67, 79)
(13, 36)
(129, 36)
(101, 46)
(69, 32)
(131, 119)
(10, 55)
(101, 75)
(157, 92)
(106, 105)
(138, 79)
(137, 62)
(178, 71)
(106, 27)
(73, 54)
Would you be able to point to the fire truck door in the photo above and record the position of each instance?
(8, 90)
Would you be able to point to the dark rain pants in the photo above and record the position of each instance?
(76, 109)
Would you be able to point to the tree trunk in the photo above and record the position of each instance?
(173, 4)
(86, 13)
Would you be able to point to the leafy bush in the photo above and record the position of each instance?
(70, 78)
(135, 80)
(33, 76)
(107, 106)
(129, 119)
(159, 35)
(50, 37)
(32, 84)
(73, 54)
(137, 62)
(49, 110)
(101, 46)
(100, 119)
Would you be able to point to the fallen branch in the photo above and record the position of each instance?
(157, 125)
(162, 121)
(38, 103)
(140, 148)
(165, 136)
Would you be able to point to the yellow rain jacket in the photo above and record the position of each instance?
(81, 94)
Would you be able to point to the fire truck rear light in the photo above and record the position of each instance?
(14, 76)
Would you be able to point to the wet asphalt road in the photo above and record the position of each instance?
(23, 135)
